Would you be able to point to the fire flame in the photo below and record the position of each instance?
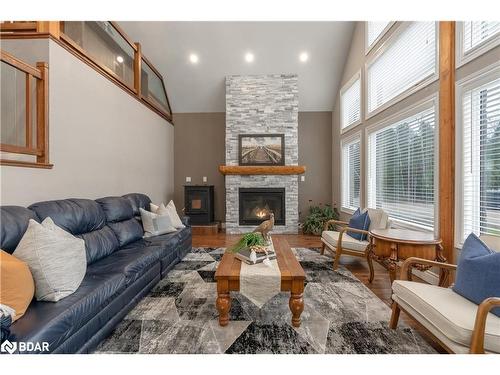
(261, 214)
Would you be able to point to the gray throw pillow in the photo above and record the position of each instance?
(155, 224)
(57, 259)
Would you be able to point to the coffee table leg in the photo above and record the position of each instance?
(223, 306)
(296, 307)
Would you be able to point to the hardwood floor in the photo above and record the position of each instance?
(380, 286)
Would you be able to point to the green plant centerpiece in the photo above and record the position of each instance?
(246, 241)
(317, 217)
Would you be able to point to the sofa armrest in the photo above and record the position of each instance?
(334, 222)
(185, 221)
(405, 268)
(477, 340)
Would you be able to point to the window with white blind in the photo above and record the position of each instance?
(480, 170)
(374, 31)
(401, 162)
(350, 102)
(351, 172)
(405, 64)
(475, 38)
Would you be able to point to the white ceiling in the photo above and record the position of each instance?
(221, 47)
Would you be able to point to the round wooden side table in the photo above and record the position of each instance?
(395, 245)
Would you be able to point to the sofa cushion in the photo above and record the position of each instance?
(132, 261)
(138, 201)
(13, 223)
(76, 216)
(99, 243)
(56, 322)
(478, 272)
(332, 238)
(127, 231)
(448, 312)
(116, 208)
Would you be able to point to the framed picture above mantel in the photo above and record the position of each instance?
(261, 149)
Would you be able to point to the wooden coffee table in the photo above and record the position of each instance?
(292, 280)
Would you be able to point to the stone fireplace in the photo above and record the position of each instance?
(262, 104)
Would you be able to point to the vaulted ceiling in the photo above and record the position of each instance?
(221, 48)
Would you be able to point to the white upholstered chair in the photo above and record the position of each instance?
(458, 324)
(339, 241)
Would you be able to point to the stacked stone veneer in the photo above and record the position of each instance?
(262, 104)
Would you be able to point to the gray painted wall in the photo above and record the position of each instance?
(102, 141)
(200, 149)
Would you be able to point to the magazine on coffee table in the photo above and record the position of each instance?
(245, 255)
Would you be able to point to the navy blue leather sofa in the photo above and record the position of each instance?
(121, 267)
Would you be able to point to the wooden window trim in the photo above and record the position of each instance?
(41, 149)
(54, 30)
(19, 26)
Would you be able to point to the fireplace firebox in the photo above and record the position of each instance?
(257, 203)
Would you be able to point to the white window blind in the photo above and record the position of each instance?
(374, 29)
(401, 169)
(481, 159)
(408, 60)
(350, 102)
(477, 32)
(351, 171)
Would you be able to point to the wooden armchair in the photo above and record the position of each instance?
(341, 243)
(457, 323)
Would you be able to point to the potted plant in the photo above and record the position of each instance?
(317, 217)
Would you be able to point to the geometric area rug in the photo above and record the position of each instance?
(341, 315)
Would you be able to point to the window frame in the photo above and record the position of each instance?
(370, 47)
(462, 57)
(419, 106)
(409, 91)
(463, 85)
(347, 86)
(357, 136)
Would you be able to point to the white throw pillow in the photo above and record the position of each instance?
(156, 224)
(57, 259)
(172, 212)
(169, 210)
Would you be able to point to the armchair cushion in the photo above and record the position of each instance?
(478, 275)
(359, 221)
(378, 218)
(332, 238)
(447, 312)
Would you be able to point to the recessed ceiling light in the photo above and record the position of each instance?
(304, 56)
(193, 58)
(119, 59)
(249, 57)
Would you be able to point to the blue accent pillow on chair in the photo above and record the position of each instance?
(359, 221)
(478, 272)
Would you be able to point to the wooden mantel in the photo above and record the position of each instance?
(256, 170)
